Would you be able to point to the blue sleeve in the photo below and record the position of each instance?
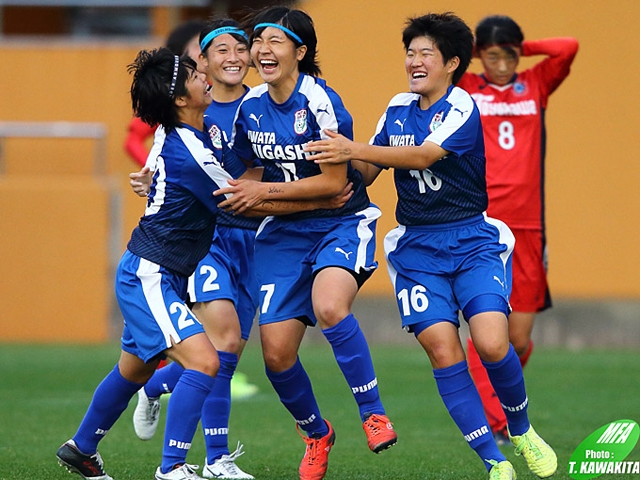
(466, 137)
(231, 162)
(202, 179)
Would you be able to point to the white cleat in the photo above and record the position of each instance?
(146, 415)
(185, 472)
(225, 467)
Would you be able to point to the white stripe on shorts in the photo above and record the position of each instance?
(151, 279)
(365, 234)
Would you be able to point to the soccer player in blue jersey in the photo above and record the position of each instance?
(309, 265)
(447, 256)
(151, 280)
(223, 287)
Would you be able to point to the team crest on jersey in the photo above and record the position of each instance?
(519, 88)
(216, 136)
(300, 123)
(436, 121)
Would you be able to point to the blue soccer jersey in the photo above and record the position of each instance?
(177, 228)
(222, 115)
(275, 134)
(454, 187)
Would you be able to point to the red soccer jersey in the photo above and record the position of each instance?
(514, 131)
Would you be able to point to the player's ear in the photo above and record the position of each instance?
(301, 51)
(180, 101)
(453, 64)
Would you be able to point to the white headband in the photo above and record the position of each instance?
(175, 75)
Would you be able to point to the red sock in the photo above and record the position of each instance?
(492, 408)
(525, 357)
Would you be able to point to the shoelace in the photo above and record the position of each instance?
(527, 444)
(373, 425)
(228, 461)
(312, 449)
(501, 473)
(190, 470)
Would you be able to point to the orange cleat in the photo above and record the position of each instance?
(316, 458)
(380, 432)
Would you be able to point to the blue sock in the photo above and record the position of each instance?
(217, 407)
(296, 394)
(354, 359)
(183, 415)
(163, 380)
(462, 400)
(110, 399)
(508, 382)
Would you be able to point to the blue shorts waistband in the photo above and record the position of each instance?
(475, 219)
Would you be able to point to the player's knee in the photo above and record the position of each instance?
(520, 345)
(207, 364)
(330, 314)
(492, 351)
(278, 361)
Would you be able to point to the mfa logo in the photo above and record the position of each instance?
(436, 121)
(216, 136)
(300, 122)
(603, 452)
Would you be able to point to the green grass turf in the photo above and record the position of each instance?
(45, 389)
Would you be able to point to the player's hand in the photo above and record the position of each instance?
(335, 149)
(340, 199)
(244, 195)
(141, 181)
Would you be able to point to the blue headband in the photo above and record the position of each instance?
(280, 27)
(221, 31)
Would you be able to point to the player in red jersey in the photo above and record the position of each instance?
(512, 106)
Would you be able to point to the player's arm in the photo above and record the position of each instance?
(562, 48)
(560, 54)
(338, 149)
(285, 207)
(247, 194)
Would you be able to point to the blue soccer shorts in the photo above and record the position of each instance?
(227, 272)
(152, 302)
(439, 270)
(290, 252)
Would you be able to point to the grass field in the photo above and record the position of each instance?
(44, 391)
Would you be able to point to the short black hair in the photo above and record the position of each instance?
(180, 36)
(498, 30)
(450, 34)
(151, 97)
(298, 22)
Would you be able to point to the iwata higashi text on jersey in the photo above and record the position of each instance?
(177, 227)
(454, 187)
(275, 134)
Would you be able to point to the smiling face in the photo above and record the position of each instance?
(276, 58)
(198, 96)
(427, 72)
(500, 63)
(226, 61)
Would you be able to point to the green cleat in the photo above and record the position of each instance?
(501, 470)
(540, 457)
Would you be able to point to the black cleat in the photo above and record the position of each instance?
(89, 467)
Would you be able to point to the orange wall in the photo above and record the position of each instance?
(55, 266)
